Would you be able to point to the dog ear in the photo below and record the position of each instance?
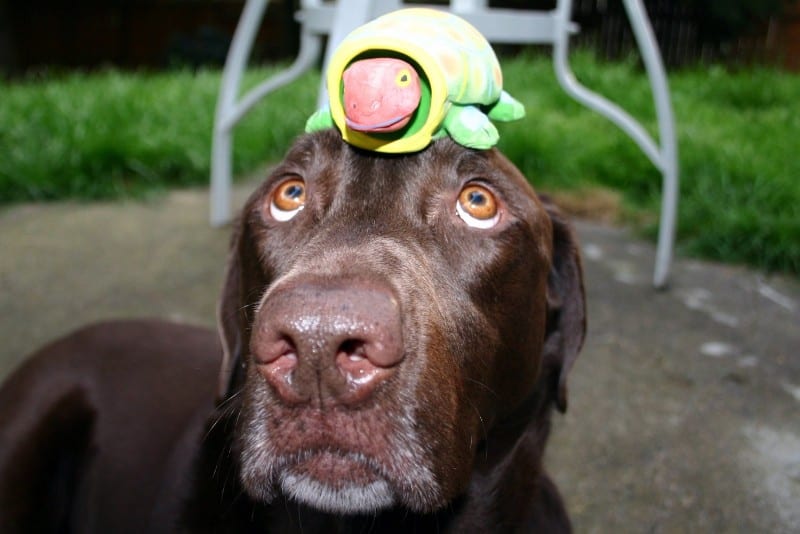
(566, 306)
(243, 285)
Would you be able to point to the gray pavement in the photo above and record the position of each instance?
(684, 406)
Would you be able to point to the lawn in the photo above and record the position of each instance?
(115, 134)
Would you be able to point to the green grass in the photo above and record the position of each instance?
(738, 136)
(117, 134)
(114, 134)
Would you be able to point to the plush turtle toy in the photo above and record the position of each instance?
(411, 76)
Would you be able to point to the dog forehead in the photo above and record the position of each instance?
(414, 177)
(357, 185)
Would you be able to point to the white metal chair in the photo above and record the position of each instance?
(336, 20)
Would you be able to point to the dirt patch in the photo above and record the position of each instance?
(592, 203)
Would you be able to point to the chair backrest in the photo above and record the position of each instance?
(496, 24)
(337, 19)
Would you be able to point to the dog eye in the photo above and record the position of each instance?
(477, 207)
(287, 199)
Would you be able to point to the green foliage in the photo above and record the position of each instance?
(738, 141)
(113, 134)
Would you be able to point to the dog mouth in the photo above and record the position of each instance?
(335, 468)
(336, 481)
(345, 462)
(389, 125)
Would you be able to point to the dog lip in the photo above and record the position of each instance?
(336, 468)
(359, 127)
(337, 482)
(354, 446)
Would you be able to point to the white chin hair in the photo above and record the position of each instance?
(347, 499)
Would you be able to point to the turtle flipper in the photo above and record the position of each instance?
(469, 126)
(320, 120)
(506, 109)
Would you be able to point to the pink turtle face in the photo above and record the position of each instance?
(380, 94)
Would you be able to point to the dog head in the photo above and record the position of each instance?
(383, 315)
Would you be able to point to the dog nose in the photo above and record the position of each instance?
(328, 343)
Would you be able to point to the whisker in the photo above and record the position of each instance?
(483, 428)
(484, 386)
(225, 410)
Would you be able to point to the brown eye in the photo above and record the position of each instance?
(477, 207)
(288, 199)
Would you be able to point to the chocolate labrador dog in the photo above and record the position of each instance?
(396, 332)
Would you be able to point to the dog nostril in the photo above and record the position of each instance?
(289, 351)
(282, 348)
(364, 367)
(361, 374)
(353, 362)
(353, 349)
(276, 361)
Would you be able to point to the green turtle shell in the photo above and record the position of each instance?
(464, 57)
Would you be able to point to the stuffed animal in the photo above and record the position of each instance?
(411, 76)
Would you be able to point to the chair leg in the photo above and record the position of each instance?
(310, 49)
(654, 65)
(664, 157)
(235, 64)
(221, 165)
(666, 225)
(221, 158)
(229, 112)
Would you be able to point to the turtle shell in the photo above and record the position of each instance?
(455, 60)
(464, 56)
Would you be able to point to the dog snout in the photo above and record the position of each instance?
(328, 343)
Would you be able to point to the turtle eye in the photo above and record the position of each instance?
(477, 207)
(287, 199)
(403, 78)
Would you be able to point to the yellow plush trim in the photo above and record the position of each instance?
(345, 54)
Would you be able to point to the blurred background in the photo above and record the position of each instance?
(166, 33)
